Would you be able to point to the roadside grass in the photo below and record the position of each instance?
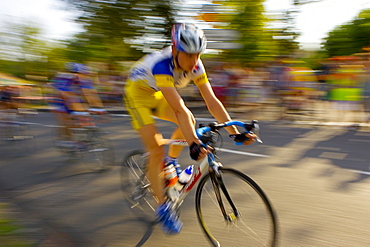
(10, 230)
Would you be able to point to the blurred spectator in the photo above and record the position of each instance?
(219, 79)
(233, 86)
(7, 95)
(366, 91)
(346, 90)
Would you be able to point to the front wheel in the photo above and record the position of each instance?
(234, 211)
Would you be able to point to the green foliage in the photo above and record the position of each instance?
(286, 43)
(248, 19)
(22, 49)
(259, 43)
(8, 230)
(351, 37)
(302, 2)
(118, 30)
(360, 30)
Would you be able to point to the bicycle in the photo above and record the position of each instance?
(89, 144)
(245, 215)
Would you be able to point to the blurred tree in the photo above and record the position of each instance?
(339, 41)
(360, 30)
(56, 58)
(351, 37)
(284, 38)
(301, 2)
(117, 29)
(246, 17)
(31, 44)
(22, 44)
(9, 43)
(259, 38)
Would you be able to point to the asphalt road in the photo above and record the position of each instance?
(316, 177)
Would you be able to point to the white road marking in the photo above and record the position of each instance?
(202, 119)
(242, 153)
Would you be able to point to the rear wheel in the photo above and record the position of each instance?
(99, 155)
(234, 211)
(136, 186)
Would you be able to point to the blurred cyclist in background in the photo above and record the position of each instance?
(151, 91)
(75, 96)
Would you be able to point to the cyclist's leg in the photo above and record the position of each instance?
(73, 102)
(64, 132)
(61, 114)
(175, 150)
(147, 134)
(139, 104)
(165, 112)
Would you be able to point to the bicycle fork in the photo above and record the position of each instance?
(218, 184)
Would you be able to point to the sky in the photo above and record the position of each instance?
(50, 15)
(315, 20)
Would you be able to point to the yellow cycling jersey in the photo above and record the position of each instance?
(157, 70)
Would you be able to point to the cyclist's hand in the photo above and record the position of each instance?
(197, 151)
(244, 138)
(250, 138)
(97, 111)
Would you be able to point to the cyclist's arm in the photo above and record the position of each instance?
(73, 101)
(62, 83)
(214, 105)
(219, 112)
(184, 116)
(89, 92)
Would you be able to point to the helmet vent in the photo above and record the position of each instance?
(183, 40)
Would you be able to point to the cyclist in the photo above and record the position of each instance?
(75, 95)
(151, 91)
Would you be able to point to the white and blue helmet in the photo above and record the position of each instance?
(77, 68)
(188, 38)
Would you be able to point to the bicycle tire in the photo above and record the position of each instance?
(99, 155)
(136, 186)
(254, 224)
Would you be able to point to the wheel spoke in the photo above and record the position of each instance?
(136, 186)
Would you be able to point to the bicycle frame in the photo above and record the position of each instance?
(197, 174)
(205, 164)
(213, 181)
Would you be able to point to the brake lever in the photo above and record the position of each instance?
(257, 132)
(259, 139)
